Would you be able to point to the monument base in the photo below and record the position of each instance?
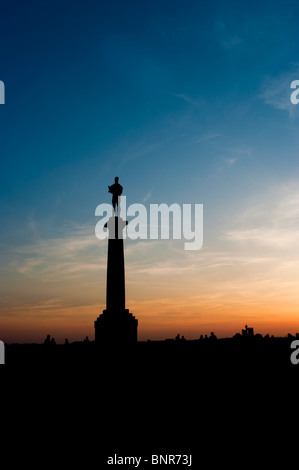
(116, 327)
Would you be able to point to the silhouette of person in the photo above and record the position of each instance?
(116, 190)
(212, 336)
(48, 340)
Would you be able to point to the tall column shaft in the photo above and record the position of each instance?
(115, 289)
(116, 325)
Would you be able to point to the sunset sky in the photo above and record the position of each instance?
(186, 102)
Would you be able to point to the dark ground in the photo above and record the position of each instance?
(226, 401)
(236, 355)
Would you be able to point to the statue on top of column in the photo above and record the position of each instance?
(116, 190)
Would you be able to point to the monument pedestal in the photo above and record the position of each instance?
(116, 328)
(116, 325)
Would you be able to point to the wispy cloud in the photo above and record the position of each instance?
(273, 220)
(47, 304)
(147, 145)
(275, 237)
(205, 137)
(61, 257)
(276, 92)
(224, 163)
(188, 99)
(230, 161)
(147, 196)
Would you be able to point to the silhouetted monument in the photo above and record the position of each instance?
(116, 190)
(116, 324)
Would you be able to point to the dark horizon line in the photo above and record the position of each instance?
(177, 339)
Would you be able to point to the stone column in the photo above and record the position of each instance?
(116, 325)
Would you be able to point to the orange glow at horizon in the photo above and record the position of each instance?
(156, 321)
(248, 274)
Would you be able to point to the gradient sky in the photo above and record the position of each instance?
(186, 102)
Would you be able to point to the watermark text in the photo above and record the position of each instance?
(161, 221)
(2, 353)
(2, 92)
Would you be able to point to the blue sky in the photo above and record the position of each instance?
(186, 102)
(166, 95)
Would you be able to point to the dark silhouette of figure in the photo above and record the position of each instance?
(179, 338)
(213, 337)
(116, 190)
(48, 340)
